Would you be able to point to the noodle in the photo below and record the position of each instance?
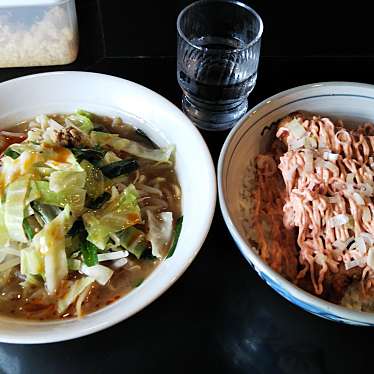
(325, 193)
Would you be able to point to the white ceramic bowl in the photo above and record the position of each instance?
(25, 97)
(353, 102)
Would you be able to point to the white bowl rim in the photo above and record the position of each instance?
(304, 296)
(176, 273)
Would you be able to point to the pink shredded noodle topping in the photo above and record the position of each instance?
(325, 198)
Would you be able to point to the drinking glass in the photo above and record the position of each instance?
(217, 59)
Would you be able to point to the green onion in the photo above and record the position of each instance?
(77, 228)
(145, 137)
(115, 169)
(177, 231)
(28, 229)
(13, 154)
(84, 113)
(46, 212)
(99, 202)
(138, 282)
(89, 253)
(92, 155)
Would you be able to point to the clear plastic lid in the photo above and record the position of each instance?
(18, 3)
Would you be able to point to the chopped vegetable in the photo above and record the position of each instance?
(146, 138)
(138, 282)
(46, 212)
(50, 242)
(82, 122)
(74, 291)
(117, 214)
(110, 157)
(28, 229)
(4, 236)
(13, 154)
(77, 228)
(131, 147)
(115, 169)
(95, 180)
(99, 202)
(14, 208)
(91, 155)
(100, 273)
(177, 231)
(327, 165)
(160, 231)
(109, 256)
(60, 181)
(329, 156)
(296, 128)
(89, 253)
(74, 197)
(74, 264)
(33, 193)
(83, 112)
(134, 241)
(32, 262)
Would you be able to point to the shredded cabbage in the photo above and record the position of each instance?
(50, 242)
(74, 197)
(160, 231)
(25, 146)
(74, 264)
(120, 212)
(12, 169)
(64, 180)
(296, 128)
(81, 121)
(131, 147)
(100, 273)
(95, 180)
(74, 291)
(32, 262)
(15, 207)
(4, 236)
(109, 256)
(133, 240)
(110, 157)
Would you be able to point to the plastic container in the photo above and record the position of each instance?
(38, 32)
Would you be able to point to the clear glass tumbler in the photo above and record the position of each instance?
(218, 52)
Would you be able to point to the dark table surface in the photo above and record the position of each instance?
(219, 317)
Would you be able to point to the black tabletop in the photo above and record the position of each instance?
(219, 317)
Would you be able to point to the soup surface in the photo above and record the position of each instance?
(89, 207)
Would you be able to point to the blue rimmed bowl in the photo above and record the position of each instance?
(351, 102)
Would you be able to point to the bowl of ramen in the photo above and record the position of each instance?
(296, 189)
(107, 192)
